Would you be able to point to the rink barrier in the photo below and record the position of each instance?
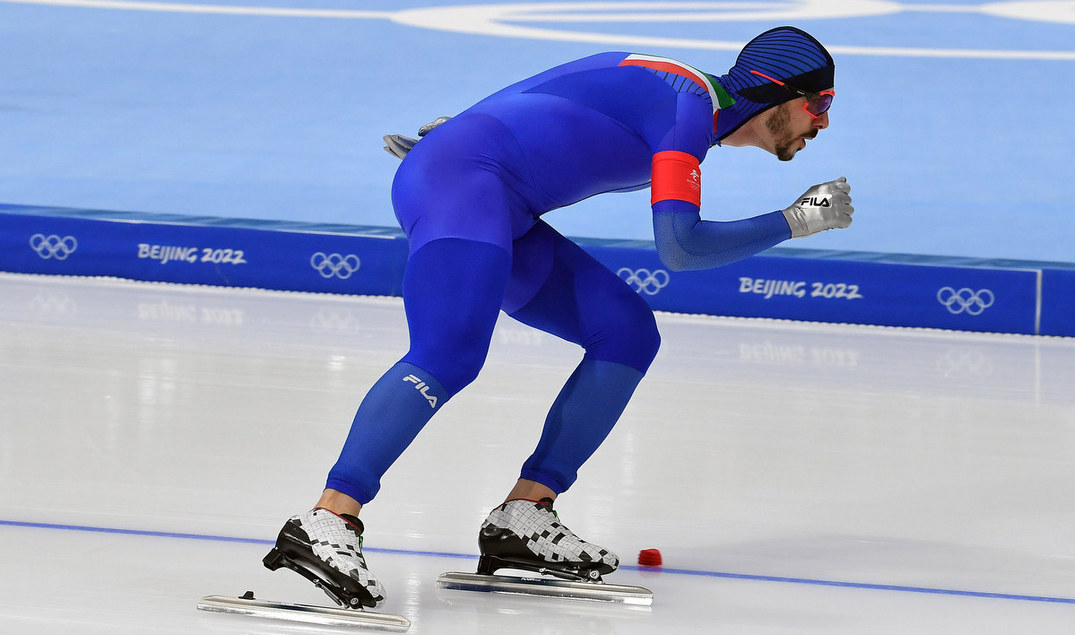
(962, 294)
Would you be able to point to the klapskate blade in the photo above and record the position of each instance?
(548, 587)
(306, 613)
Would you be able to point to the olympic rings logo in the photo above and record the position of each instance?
(644, 280)
(965, 300)
(335, 265)
(52, 246)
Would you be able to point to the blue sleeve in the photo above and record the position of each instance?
(686, 242)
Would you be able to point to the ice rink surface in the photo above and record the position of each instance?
(797, 478)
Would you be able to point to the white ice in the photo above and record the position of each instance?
(797, 478)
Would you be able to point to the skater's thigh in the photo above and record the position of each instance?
(452, 290)
(557, 287)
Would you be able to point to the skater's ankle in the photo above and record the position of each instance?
(531, 491)
(339, 503)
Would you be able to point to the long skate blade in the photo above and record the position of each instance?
(306, 613)
(548, 587)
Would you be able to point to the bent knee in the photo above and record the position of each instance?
(454, 369)
(627, 335)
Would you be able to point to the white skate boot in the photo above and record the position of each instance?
(528, 535)
(326, 549)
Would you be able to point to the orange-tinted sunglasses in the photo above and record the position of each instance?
(816, 103)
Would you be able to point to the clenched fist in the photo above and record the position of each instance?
(824, 206)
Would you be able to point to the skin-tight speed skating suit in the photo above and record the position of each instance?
(470, 196)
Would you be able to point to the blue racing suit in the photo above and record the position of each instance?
(470, 197)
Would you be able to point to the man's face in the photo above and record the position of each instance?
(789, 127)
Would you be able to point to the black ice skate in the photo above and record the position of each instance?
(326, 549)
(527, 535)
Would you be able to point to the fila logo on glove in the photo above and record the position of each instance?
(423, 388)
(815, 201)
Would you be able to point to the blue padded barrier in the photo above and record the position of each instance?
(802, 286)
(857, 288)
(193, 250)
(1058, 301)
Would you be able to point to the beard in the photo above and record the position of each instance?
(786, 142)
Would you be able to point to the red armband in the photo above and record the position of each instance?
(676, 176)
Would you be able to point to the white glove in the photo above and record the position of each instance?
(821, 207)
(398, 145)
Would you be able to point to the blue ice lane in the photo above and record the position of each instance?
(277, 118)
(667, 571)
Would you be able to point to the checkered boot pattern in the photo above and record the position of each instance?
(326, 548)
(529, 531)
